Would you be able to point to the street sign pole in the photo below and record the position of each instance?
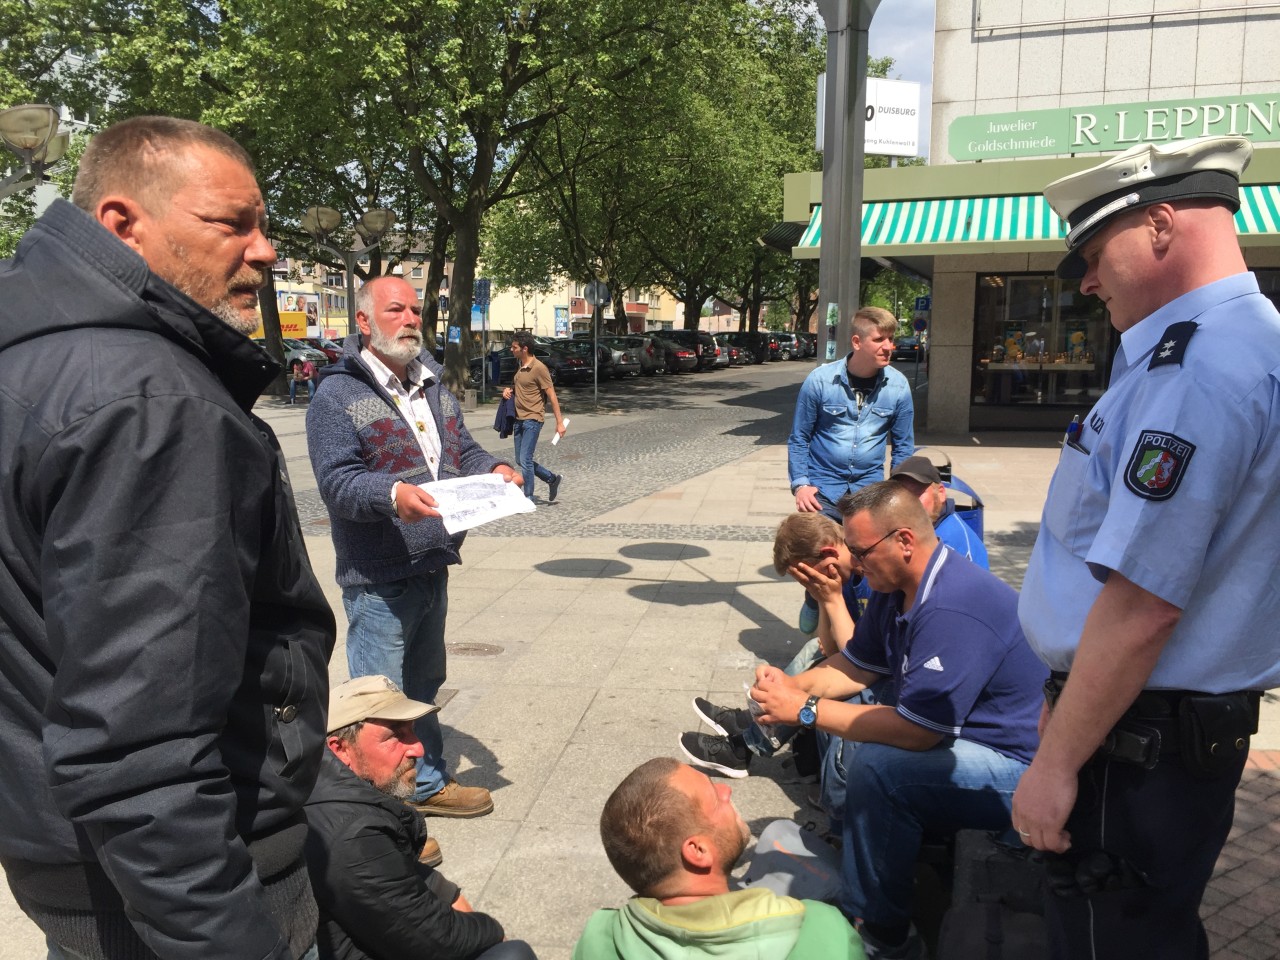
(597, 294)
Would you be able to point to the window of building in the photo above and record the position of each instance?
(416, 273)
(1039, 340)
(333, 280)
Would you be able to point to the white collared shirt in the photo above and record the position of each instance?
(411, 402)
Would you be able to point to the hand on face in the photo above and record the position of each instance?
(822, 582)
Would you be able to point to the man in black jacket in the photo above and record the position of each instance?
(163, 640)
(378, 900)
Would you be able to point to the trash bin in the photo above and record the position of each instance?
(469, 400)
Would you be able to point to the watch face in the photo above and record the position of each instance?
(808, 716)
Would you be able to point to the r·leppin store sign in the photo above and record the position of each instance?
(1115, 126)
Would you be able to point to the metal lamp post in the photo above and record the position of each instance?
(320, 222)
(840, 260)
(31, 131)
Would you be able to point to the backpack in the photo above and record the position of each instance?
(997, 902)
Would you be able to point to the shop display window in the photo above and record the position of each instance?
(1038, 340)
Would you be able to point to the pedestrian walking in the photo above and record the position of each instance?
(533, 390)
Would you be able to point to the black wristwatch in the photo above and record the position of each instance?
(809, 713)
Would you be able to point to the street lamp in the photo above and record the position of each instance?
(31, 131)
(320, 222)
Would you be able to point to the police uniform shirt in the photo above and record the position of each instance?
(1173, 480)
(957, 660)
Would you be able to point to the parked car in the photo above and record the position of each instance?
(722, 353)
(653, 356)
(564, 366)
(679, 358)
(626, 356)
(788, 348)
(727, 349)
(907, 348)
(761, 343)
(700, 342)
(295, 352)
(810, 342)
(581, 346)
(330, 349)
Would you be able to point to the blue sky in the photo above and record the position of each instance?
(903, 29)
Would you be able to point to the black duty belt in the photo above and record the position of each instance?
(1205, 728)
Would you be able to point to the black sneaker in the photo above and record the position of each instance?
(723, 720)
(553, 488)
(727, 756)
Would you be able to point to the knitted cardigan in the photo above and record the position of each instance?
(360, 445)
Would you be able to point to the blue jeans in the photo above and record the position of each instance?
(293, 389)
(396, 629)
(526, 436)
(896, 797)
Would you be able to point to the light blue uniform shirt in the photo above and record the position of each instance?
(1174, 481)
(839, 434)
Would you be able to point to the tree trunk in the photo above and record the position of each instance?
(693, 298)
(461, 292)
(437, 257)
(755, 296)
(268, 304)
(621, 324)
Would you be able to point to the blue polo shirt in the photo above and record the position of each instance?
(958, 662)
(961, 537)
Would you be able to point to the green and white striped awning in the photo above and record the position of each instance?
(904, 223)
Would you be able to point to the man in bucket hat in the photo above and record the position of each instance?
(379, 896)
(1148, 593)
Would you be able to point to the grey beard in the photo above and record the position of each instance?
(398, 790)
(401, 351)
(234, 319)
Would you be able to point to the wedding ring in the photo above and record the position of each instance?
(1024, 833)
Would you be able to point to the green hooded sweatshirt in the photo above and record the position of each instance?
(754, 924)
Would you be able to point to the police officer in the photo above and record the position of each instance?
(1149, 593)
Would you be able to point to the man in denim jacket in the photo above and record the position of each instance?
(845, 414)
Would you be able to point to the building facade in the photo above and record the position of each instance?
(1024, 93)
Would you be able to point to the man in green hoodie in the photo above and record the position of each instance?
(673, 835)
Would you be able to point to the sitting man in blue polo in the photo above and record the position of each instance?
(953, 726)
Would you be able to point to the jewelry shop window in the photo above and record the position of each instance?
(1038, 340)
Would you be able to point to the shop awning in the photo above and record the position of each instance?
(901, 224)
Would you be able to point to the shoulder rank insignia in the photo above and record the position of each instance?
(1173, 344)
(1158, 463)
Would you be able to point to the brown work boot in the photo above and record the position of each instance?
(431, 855)
(455, 800)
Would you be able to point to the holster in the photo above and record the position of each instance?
(1215, 731)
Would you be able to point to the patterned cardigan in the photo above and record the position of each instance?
(360, 445)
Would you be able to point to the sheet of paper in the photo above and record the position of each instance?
(466, 502)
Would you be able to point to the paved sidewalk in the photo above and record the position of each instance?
(579, 635)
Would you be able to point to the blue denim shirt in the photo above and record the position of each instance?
(837, 443)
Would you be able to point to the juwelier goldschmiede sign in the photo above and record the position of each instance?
(1114, 126)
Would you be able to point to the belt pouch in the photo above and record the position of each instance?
(1215, 731)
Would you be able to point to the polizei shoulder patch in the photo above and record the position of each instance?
(1159, 460)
